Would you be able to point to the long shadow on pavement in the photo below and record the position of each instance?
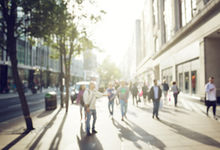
(56, 140)
(88, 142)
(49, 125)
(11, 144)
(45, 113)
(204, 139)
(129, 134)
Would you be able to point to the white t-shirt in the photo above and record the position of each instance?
(210, 95)
(156, 92)
(90, 97)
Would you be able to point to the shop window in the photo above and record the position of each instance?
(194, 81)
(180, 81)
(186, 79)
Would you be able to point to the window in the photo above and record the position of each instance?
(188, 10)
(183, 12)
(180, 81)
(194, 81)
(168, 19)
(155, 12)
(186, 79)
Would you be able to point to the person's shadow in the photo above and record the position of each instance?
(88, 142)
(201, 138)
(129, 134)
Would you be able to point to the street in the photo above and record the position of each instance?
(11, 108)
(178, 128)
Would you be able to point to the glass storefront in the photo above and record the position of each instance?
(167, 75)
(188, 77)
(186, 83)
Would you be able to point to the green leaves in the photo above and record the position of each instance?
(108, 71)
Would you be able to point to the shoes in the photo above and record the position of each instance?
(94, 131)
(157, 118)
(88, 134)
(153, 116)
(122, 119)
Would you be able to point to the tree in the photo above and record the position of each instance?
(10, 27)
(108, 72)
(14, 26)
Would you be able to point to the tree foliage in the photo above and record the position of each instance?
(108, 71)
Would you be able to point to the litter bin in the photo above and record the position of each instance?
(50, 101)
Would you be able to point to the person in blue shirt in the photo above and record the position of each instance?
(111, 97)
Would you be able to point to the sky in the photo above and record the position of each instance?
(114, 32)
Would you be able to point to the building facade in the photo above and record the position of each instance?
(180, 43)
(36, 66)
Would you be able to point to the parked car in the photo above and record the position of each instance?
(75, 91)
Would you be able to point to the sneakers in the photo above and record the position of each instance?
(94, 131)
(88, 134)
(157, 118)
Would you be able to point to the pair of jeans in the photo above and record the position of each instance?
(123, 108)
(175, 95)
(111, 106)
(92, 113)
(156, 104)
(213, 104)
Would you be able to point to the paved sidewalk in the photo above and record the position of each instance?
(178, 129)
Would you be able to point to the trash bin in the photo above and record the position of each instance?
(50, 101)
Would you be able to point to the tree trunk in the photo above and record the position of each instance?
(12, 52)
(67, 78)
(61, 79)
(11, 49)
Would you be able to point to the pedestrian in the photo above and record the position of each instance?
(111, 97)
(165, 90)
(90, 96)
(123, 93)
(145, 92)
(134, 93)
(80, 100)
(210, 90)
(175, 91)
(155, 94)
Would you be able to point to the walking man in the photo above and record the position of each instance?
(155, 95)
(165, 90)
(210, 90)
(123, 93)
(145, 92)
(111, 97)
(90, 96)
(134, 93)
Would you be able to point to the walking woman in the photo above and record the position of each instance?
(80, 101)
(175, 91)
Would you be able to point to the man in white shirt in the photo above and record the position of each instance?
(90, 96)
(155, 95)
(210, 90)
